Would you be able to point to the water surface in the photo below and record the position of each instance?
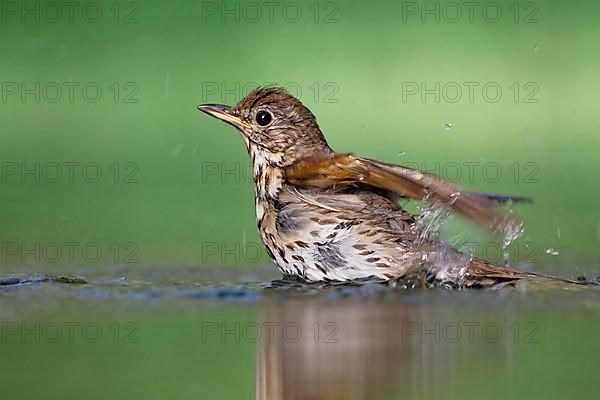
(241, 333)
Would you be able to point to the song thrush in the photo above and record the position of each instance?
(325, 216)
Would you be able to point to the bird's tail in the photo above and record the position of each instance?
(484, 273)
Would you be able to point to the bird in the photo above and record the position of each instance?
(325, 216)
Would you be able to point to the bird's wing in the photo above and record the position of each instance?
(345, 169)
(503, 198)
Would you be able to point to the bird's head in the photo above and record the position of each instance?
(273, 124)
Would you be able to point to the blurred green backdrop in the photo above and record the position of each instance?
(382, 79)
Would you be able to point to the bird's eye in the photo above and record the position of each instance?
(263, 118)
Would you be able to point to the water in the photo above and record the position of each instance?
(244, 332)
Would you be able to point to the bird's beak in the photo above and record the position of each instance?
(223, 113)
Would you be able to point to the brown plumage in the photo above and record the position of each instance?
(327, 216)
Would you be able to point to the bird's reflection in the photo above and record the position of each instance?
(367, 349)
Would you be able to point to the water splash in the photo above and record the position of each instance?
(454, 197)
(448, 126)
(512, 231)
(430, 221)
(471, 253)
(506, 256)
(552, 252)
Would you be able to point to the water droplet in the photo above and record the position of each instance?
(552, 252)
(512, 231)
(558, 231)
(401, 153)
(536, 47)
(471, 253)
(454, 197)
(177, 149)
(363, 128)
(506, 257)
(448, 126)
(167, 79)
